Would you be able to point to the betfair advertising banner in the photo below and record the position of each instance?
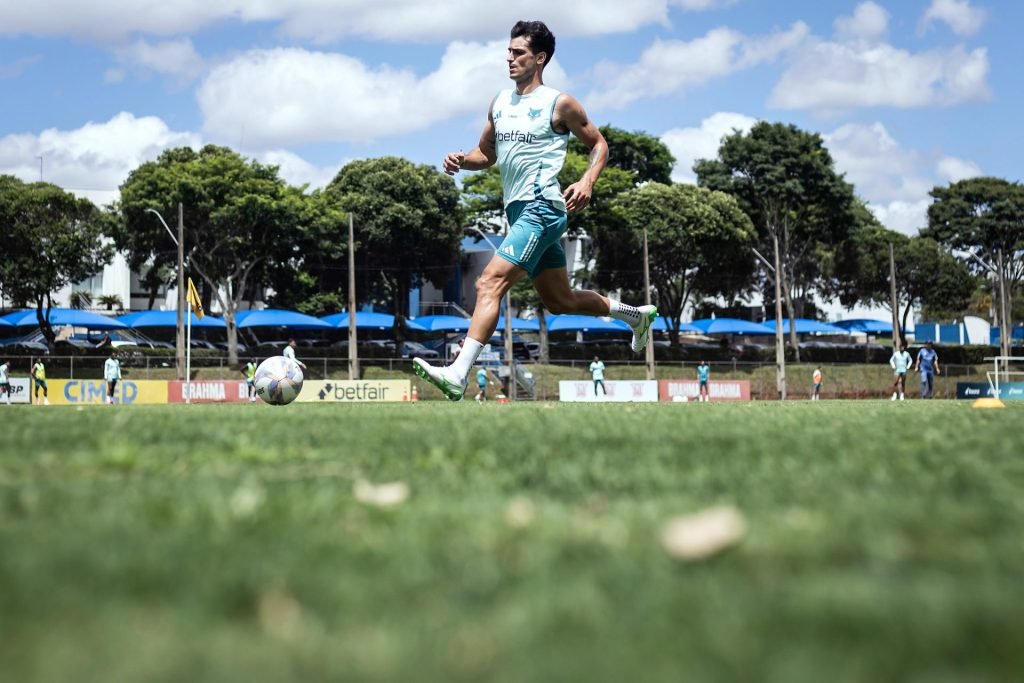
(355, 391)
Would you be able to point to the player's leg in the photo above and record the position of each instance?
(559, 297)
(498, 277)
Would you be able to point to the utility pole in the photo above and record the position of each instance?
(780, 351)
(353, 355)
(180, 354)
(897, 337)
(1004, 318)
(649, 357)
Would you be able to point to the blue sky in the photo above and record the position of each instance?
(908, 94)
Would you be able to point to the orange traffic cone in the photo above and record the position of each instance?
(415, 393)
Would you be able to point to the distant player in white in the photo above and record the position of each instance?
(900, 363)
(526, 135)
(112, 375)
(597, 374)
(5, 381)
(289, 352)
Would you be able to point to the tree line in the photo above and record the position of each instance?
(248, 231)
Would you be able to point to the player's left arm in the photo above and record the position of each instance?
(569, 114)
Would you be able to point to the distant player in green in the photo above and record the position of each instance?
(703, 375)
(900, 362)
(5, 381)
(597, 374)
(527, 135)
(249, 371)
(39, 378)
(481, 384)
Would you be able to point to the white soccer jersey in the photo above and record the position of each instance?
(530, 151)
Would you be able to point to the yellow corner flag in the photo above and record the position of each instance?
(193, 299)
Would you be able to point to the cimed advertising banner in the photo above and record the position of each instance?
(94, 391)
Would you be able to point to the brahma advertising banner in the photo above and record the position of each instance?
(208, 391)
(94, 391)
(621, 391)
(355, 391)
(718, 390)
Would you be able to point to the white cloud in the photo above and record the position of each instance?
(671, 65)
(954, 170)
(410, 20)
(869, 20)
(894, 180)
(177, 58)
(690, 144)
(92, 161)
(297, 171)
(837, 75)
(963, 19)
(275, 98)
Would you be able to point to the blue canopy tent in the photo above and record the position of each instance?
(806, 326)
(370, 320)
(731, 326)
(584, 323)
(4, 323)
(444, 323)
(662, 325)
(866, 326)
(518, 325)
(168, 319)
(66, 316)
(273, 317)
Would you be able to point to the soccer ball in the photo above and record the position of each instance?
(278, 380)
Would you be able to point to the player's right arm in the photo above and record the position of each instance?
(482, 156)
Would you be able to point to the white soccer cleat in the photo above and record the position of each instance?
(642, 330)
(440, 378)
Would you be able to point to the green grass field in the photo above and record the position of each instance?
(885, 542)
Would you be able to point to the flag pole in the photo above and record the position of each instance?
(188, 356)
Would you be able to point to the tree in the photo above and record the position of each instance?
(51, 239)
(983, 216)
(699, 241)
(786, 182)
(646, 157)
(408, 223)
(239, 216)
(927, 275)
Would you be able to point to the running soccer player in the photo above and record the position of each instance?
(112, 374)
(928, 365)
(703, 374)
(39, 380)
(481, 384)
(900, 363)
(526, 135)
(5, 381)
(250, 379)
(597, 374)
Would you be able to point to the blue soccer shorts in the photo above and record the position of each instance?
(534, 240)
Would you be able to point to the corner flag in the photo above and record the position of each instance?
(193, 299)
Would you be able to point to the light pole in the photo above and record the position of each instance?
(179, 241)
(780, 351)
(508, 322)
(1004, 312)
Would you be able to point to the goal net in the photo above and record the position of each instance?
(1006, 375)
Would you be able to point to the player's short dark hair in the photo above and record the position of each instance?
(539, 36)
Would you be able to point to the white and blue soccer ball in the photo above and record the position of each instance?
(278, 380)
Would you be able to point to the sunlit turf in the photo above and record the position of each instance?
(221, 543)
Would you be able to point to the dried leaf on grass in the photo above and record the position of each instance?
(703, 534)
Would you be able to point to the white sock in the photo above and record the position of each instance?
(464, 362)
(624, 312)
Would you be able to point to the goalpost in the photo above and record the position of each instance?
(1001, 369)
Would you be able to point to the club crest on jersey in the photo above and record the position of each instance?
(534, 113)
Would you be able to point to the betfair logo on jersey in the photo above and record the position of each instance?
(516, 136)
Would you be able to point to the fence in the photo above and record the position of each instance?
(840, 380)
